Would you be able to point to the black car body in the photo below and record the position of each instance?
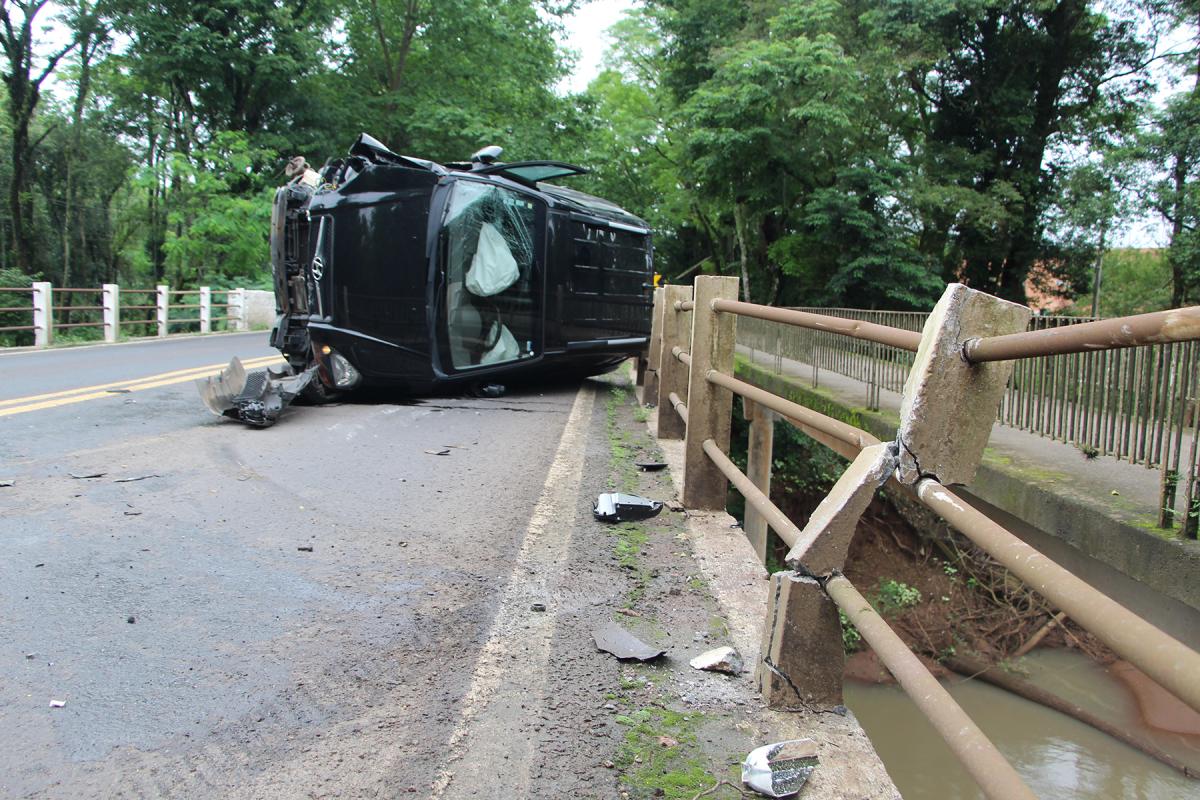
(394, 271)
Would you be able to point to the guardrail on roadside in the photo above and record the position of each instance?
(962, 365)
(117, 311)
(1134, 404)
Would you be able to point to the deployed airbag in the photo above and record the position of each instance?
(493, 269)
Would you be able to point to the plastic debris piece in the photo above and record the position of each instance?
(442, 452)
(85, 475)
(31, 655)
(618, 507)
(650, 466)
(780, 769)
(721, 659)
(305, 548)
(58, 703)
(256, 398)
(135, 478)
(490, 390)
(614, 639)
(7, 482)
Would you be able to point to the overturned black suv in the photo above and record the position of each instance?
(400, 272)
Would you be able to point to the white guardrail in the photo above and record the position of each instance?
(156, 312)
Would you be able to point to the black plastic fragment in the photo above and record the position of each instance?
(618, 507)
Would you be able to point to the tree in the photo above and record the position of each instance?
(24, 80)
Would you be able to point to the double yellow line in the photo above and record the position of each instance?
(37, 402)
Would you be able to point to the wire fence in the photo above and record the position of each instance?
(1140, 405)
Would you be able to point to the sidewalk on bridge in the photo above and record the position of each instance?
(1106, 508)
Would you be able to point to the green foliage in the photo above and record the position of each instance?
(851, 638)
(894, 596)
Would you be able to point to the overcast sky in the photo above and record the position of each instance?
(586, 36)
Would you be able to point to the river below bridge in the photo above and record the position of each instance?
(1057, 756)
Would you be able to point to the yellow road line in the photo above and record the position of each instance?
(84, 393)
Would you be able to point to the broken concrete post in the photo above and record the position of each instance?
(654, 350)
(709, 405)
(110, 301)
(802, 657)
(673, 374)
(825, 540)
(205, 309)
(43, 314)
(161, 300)
(758, 470)
(949, 405)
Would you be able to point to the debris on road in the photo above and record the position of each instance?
(131, 619)
(4, 482)
(650, 466)
(84, 476)
(629, 612)
(721, 659)
(305, 548)
(490, 390)
(133, 513)
(538, 607)
(619, 507)
(58, 703)
(135, 478)
(614, 639)
(674, 505)
(780, 769)
(118, 391)
(31, 655)
(667, 741)
(438, 452)
(256, 398)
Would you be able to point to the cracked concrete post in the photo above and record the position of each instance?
(654, 350)
(949, 406)
(709, 406)
(802, 657)
(672, 374)
(758, 470)
(825, 540)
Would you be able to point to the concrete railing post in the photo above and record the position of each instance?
(43, 314)
(205, 309)
(672, 374)
(237, 310)
(111, 301)
(654, 350)
(709, 406)
(758, 470)
(802, 653)
(162, 300)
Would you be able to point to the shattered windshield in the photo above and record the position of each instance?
(490, 301)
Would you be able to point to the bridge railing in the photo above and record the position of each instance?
(963, 361)
(115, 311)
(1139, 404)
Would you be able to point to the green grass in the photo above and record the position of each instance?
(651, 769)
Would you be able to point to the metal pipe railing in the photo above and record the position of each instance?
(1176, 325)
(794, 412)
(856, 329)
(788, 531)
(679, 406)
(1168, 661)
(974, 750)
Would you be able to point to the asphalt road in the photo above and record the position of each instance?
(310, 610)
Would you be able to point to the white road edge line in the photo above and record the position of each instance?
(543, 553)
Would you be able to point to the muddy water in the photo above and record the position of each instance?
(1057, 756)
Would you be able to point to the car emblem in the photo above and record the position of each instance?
(318, 268)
